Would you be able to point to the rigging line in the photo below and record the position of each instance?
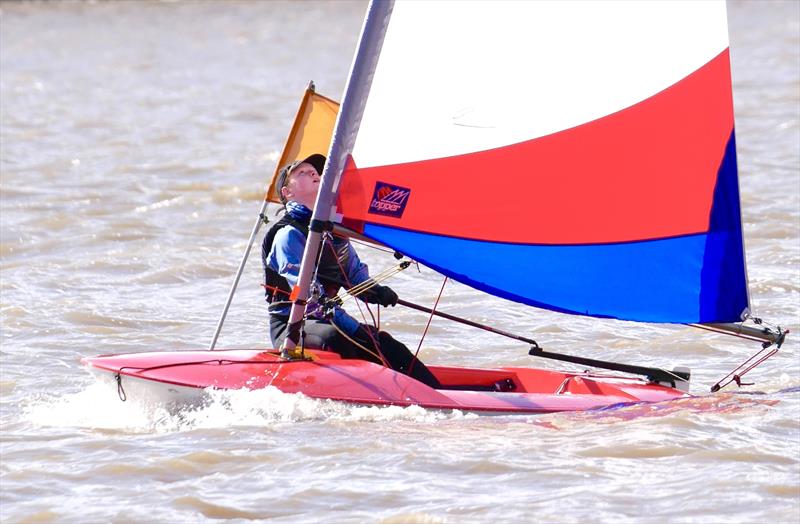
(137, 370)
(347, 282)
(314, 297)
(380, 277)
(329, 243)
(376, 355)
(358, 289)
(319, 259)
(314, 278)
(383, 275)
(739, 372)
(372, 246)
(425, 331)
(363, 286)
(120, 390)
(466, 322)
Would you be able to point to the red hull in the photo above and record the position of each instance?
(354, 381)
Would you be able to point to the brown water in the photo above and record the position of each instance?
(137, 139)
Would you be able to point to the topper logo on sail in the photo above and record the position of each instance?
(389, 200)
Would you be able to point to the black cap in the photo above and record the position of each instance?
(316, 160)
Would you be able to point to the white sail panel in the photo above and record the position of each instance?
(441, 88)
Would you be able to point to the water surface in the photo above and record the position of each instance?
(137, 139)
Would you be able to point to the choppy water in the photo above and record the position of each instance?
(136, 142)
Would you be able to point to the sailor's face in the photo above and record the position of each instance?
(303, 183)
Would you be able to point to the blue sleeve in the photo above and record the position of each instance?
(357, 271)
(345, 322)
(287, 253)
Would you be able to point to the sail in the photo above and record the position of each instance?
(573, 156)
(310, 133)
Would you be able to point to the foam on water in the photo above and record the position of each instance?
(91, 408)
(98, 407)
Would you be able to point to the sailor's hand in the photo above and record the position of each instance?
(385, 296)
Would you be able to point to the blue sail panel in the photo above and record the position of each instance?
(724, 269)
(653, 281)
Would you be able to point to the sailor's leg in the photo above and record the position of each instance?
(401, 359)
(319, 334)
(277, 329)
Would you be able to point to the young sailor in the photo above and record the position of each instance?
(281, 254)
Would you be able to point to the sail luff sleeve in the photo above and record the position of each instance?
(373, 31)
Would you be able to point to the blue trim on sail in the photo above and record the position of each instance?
(652, 281)
(724, 281)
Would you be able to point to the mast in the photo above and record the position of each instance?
(373, 31)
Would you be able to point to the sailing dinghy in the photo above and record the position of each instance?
(572, 156)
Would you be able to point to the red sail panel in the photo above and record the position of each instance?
(644, 172)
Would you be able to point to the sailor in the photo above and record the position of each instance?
(281, 254)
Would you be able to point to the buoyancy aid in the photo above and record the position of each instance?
(333, 261)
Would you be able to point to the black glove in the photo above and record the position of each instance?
(382, 295)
